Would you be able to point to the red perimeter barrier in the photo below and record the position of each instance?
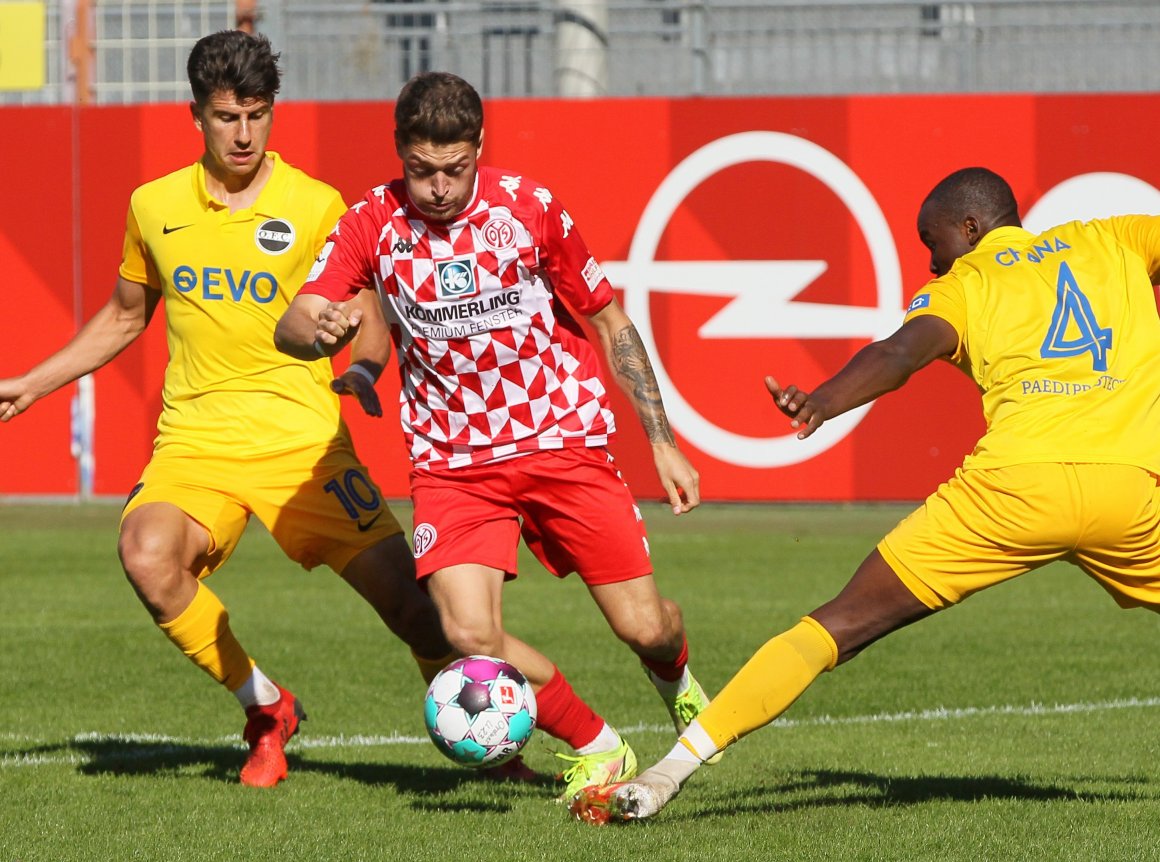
(709, 215)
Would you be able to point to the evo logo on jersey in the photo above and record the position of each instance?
(455, 279)
(218, 283)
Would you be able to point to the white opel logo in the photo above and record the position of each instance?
(763, 290)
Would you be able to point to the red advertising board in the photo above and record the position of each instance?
(746, 237)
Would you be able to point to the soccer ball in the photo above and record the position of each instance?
(480, 711)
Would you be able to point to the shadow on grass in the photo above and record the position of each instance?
(430, 786)
(839, 788)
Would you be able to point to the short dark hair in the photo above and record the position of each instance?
(231, 61)
(438, 107)
(974, 191)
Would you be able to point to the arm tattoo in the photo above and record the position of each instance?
(634, 371)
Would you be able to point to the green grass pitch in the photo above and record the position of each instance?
(1022, 725)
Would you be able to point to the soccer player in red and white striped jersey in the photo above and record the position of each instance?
(503, 406)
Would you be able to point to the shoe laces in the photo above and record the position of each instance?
(581, 767)
(687, 706)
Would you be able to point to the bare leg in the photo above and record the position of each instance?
(384, 575)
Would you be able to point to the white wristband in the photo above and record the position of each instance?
(359, 369)
(319, 349)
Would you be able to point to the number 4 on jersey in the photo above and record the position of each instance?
(1073, 313)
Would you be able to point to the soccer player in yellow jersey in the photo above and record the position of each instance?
(1060, 333)
(244, 430)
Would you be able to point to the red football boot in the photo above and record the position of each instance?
(268, 729)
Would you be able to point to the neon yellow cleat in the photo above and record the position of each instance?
(597, 770)
(686, 706)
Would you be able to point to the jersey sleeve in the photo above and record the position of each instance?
(136, 262)
(573, 270)
(345, 265)
(335, 209)
(945, 298)
(1141, 234)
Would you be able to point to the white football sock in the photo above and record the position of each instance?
(669, 689)
(696, 742)
(606, 740)
(258, 690)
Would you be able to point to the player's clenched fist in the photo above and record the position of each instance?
(337, 324)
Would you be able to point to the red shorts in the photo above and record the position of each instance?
(571, 506)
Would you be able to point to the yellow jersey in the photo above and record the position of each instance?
(226, 278)
(1061, 334)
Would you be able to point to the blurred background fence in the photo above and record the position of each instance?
(132, 51)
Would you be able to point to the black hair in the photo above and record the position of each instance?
(974, 191)
(231, 61)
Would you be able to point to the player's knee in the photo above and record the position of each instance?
(473, 638)
(144, 557)
(649, 635)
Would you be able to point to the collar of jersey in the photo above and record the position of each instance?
(1004, 236)
(270, 194)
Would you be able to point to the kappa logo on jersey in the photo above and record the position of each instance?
(455, 279)
(424, 538)
(499, 233)
(402, 246)
(274, 236)
(920, 301)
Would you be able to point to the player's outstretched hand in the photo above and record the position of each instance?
(680, 480)
(360, 386)
(14, 398)
(805, 413)
(337, 325)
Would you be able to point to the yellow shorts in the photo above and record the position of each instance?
(986, 526)
(319, 504)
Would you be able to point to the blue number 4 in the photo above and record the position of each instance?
(1073, 309)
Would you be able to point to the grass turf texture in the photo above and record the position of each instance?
(112, 747)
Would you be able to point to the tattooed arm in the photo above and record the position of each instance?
(626, 355)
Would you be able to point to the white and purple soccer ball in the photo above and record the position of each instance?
(480, 711)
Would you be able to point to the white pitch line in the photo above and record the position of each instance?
(159, 743)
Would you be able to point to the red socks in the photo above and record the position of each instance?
(669, 671)
(562, 714)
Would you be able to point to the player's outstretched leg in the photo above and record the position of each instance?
(268, 729)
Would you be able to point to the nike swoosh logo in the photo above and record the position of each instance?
(362, 528)
(167, 229)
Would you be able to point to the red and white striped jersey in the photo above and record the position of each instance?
(492, 364)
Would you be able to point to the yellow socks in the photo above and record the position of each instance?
(764, 688)
(428, 667)
(202, 632)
